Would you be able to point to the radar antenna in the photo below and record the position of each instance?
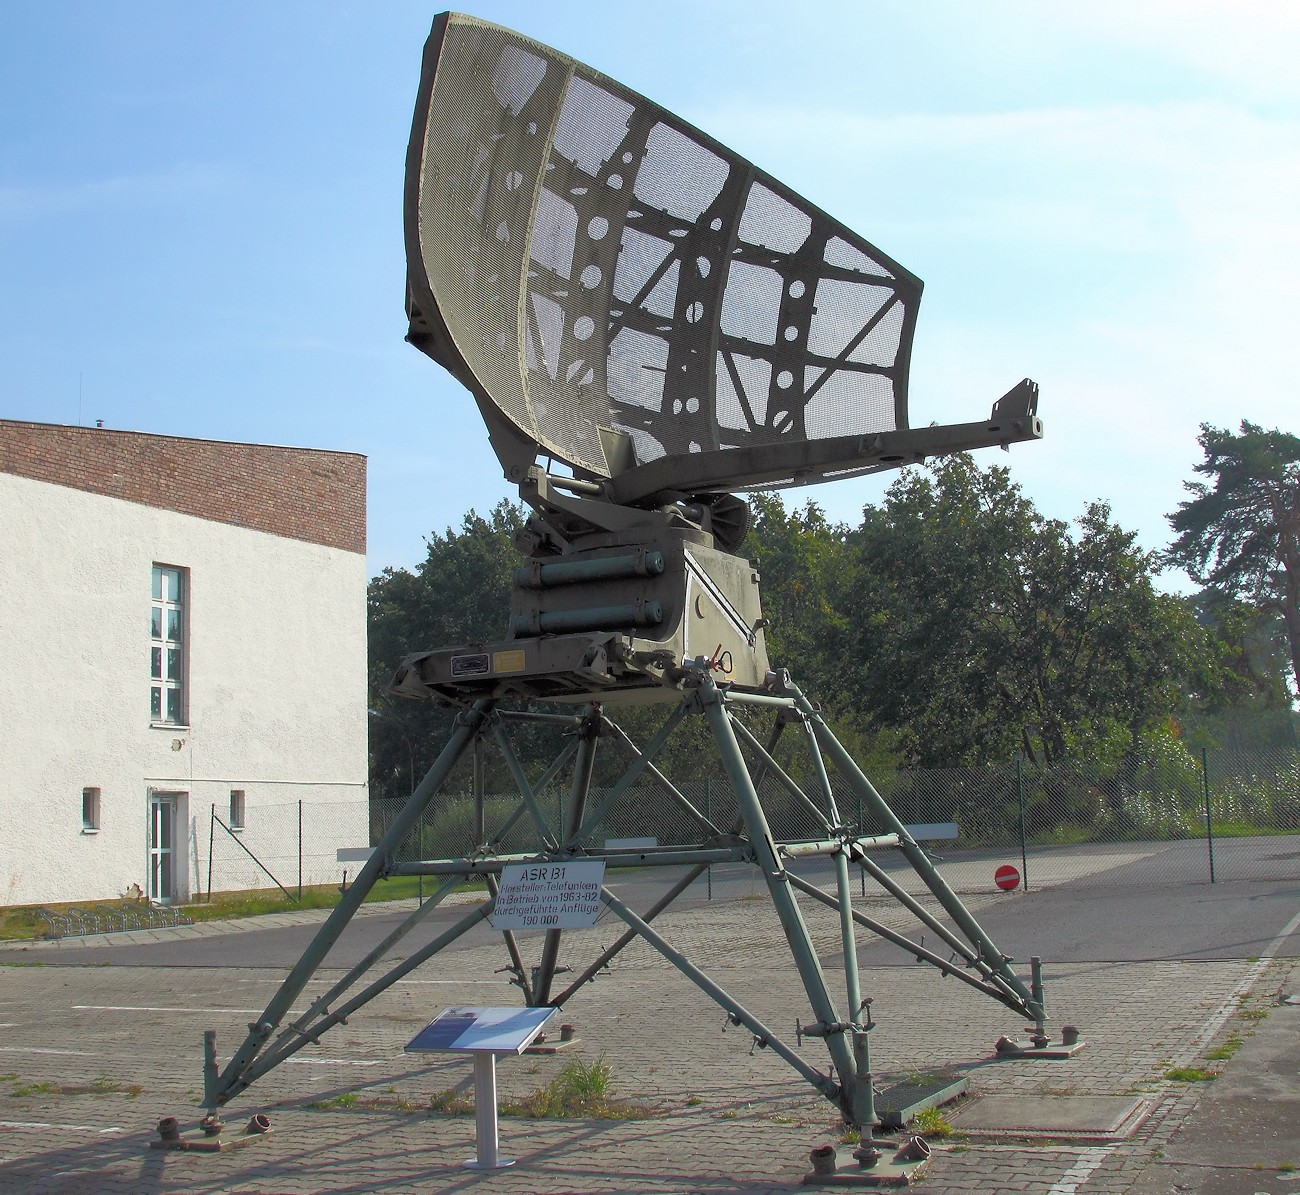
(651, 324)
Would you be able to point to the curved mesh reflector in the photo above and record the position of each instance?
(598, 263)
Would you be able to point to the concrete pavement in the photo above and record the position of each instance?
(92, 1056)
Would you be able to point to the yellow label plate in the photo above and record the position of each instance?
(508, 661)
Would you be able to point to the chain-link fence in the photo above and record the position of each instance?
(286, 845)
(1167, 817)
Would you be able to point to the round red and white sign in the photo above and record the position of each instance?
(1006, 877)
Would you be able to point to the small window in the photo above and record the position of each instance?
(237, 808)
(90, 810)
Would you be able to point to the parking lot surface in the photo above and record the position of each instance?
(92, 1056)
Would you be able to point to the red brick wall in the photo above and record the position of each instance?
(300, 493)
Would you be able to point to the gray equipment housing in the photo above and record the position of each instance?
(690, 600)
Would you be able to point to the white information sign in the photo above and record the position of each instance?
(497, 1030)
(549, 895)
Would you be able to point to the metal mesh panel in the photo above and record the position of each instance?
(599, 263)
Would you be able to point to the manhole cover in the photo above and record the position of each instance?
(1094, 1115)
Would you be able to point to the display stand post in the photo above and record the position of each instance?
(484, 1033)
(485, 1115)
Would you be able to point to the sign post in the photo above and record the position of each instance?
(486, 1138)
(485, 1033)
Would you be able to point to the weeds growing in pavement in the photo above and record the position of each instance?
(580, 1090)
(347, 1099)
(452, 1103)
(932, 1123)
(1227, 1050)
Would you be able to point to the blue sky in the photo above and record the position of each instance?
(200, 218)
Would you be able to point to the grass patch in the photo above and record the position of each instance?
(932, 1123)
(107, 1086)
(347, 1099)
(1244, 829)
(1190, 1074)
(1068, 835)
(225, 905)
(23, 1090)
(21, 921)
(102, 1086)
(579, 1091)
(452, 1103)
(1227, 1050)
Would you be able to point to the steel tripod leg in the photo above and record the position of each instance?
(920, 861)
(582, 769)
(468, 727)
(829, 1025)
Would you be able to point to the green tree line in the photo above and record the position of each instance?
(955, 624)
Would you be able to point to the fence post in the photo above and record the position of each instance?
(1020, 802)
(300, 850)
(1209, 816)
(212, 828)
(708, 812)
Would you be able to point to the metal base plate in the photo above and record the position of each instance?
(888, 1172)
(1006, 1048)
(499, 1164)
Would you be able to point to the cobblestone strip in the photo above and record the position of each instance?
(1090, 1160)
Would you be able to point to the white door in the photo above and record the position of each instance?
(162, 854)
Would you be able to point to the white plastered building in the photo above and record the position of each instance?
(182, 665)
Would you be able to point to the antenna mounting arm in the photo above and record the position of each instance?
(1014, 419)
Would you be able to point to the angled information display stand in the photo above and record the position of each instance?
(484, 1033)
(649, 325)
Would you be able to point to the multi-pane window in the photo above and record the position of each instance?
(167, 646)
